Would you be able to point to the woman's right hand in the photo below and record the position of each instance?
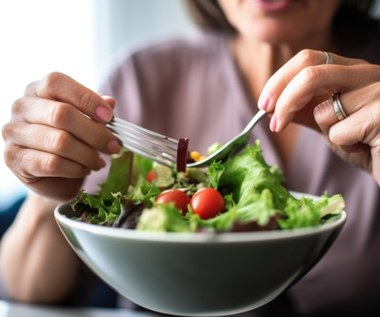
(55, 134)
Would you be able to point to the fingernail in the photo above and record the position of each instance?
(273, 123)
(263, 103)
(113, 146)
(104, 114)
(101, 162)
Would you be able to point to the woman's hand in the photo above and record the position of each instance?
(301, 91)
(55, 134)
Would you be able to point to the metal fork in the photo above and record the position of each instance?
(157, 147)
(233, 146)
(171, 152)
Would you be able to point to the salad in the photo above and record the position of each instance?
(243, 193)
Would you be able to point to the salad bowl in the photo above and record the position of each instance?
(202, 273)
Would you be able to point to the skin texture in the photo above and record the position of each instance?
(57, 134)
(50, 146)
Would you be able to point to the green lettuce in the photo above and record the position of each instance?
(255, 198)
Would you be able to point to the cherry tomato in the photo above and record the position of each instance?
(178, 197)
(151, 176)
(207, 202)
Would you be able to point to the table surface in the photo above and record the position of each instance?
(11, 309)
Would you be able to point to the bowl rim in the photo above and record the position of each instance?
(197, 237)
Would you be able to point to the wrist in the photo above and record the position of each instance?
(36, 210)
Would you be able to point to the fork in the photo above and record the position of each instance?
(233, 146)
(169, 151)
(155, 146)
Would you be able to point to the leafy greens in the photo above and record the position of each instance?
(254, 196)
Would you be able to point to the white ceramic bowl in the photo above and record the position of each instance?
(198, 274)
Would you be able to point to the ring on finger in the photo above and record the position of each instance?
(338, 108)
(329, 58)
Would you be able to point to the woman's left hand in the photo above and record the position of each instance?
(301, 91)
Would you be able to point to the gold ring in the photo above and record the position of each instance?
(338, 108)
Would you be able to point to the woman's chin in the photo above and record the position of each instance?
(272, 35)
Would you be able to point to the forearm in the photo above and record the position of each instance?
(36, 262)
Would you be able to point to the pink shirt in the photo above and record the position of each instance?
(192, 88)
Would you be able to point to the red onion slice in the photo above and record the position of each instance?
(182, 154)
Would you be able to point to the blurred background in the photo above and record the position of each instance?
(77, 37)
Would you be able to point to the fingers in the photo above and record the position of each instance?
(305, 58)
(356, 138)
(57, 130)
(305, 79)
(45, 173)
(56, 142)
(301, 92)
(64, 120)
(362, 124)
(55, 134)
(310, 83)
(60, 87)
(33, 165)
(325, 116)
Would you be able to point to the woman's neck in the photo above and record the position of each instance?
(257, 61)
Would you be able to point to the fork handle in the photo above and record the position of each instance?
(256, 118)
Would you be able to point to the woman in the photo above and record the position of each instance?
(270, 53)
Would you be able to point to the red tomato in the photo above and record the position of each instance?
(207, 203)
(178, 197)
(151, 176)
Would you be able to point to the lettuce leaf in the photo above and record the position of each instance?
(247, 175)
(255, 198)
(119, 176)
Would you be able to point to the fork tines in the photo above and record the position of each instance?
(155, 146)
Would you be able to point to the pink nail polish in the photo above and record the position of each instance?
(104, 114)
(263, 103)
(273, 123)
(113, 146)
